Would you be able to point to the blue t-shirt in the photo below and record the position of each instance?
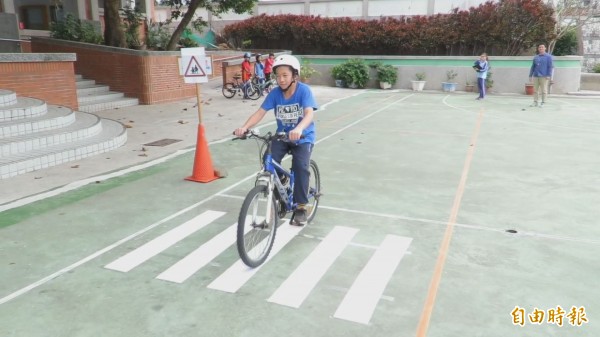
(289, 112)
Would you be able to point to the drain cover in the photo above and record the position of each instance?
(163, 142)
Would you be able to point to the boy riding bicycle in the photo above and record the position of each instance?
(293, 103)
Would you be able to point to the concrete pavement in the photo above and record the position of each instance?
(147, 124)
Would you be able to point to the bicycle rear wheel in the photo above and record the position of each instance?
(256, 232)
(229, 90)
(314, 191)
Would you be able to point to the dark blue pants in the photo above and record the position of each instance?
(300, 165)
(481, 86)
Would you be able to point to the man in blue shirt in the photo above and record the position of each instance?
(293, 103)
(540, 74)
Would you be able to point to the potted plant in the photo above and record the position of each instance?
(489, 83)
(529, 88)
(307, 71)
(469, 87)
(387, 75)
(450, 85)
(336, 72)
(419, 82)
(353, 72)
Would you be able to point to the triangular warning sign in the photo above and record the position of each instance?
(194, 69)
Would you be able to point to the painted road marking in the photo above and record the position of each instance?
(359, 303)
(357, 306)
(154, 247)
(80, 183)
(189, 265)
(238, 274)
(294, 290)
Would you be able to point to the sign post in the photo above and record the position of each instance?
(195, 68)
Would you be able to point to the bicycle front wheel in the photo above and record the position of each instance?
(256, 230)
(253, 91)
(314, 190)
(229, 90)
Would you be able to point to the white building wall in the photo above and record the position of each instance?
(401, 7)
(590, 39)
(277, 9)
(336, 9)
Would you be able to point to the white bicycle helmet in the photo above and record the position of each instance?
(287, 60)
(247, 55)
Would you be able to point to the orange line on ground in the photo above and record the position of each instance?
(441, 260)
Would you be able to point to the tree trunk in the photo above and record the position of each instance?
(187, 18)
(114, 35)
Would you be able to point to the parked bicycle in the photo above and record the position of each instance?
(271, 199)
(230, 89)
(267, 86)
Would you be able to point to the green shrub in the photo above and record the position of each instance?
(451, 75)
(387, 73)
(596, 68)
(158, 36)
(353, 71)
(566, 45)
(132, 19)
(420, 76)
(73, 29)
(488, 80)
(306, 70)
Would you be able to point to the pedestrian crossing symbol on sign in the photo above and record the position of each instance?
(194, 69)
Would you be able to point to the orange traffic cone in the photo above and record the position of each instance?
(203, 168)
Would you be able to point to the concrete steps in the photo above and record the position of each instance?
(35, 135)
(93, 97)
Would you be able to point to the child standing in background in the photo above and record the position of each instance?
(481, 66)
(269, 66)
(259, 69)
(246, 73)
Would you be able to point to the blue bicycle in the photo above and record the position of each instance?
(271, 199)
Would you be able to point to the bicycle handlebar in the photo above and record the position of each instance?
(251, 133)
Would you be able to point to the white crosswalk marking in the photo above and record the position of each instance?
(294, 290)
(357, 306)
(200, 257)
(238, 274)
(360, 301)
(154, 247)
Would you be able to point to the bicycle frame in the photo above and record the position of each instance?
(274, 179)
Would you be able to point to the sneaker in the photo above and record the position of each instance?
(300, 216)
(534, 104)
(541, 104)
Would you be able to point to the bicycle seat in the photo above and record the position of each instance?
(237, 76)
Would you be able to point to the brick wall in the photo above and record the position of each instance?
(38, 76)
(152, 77)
